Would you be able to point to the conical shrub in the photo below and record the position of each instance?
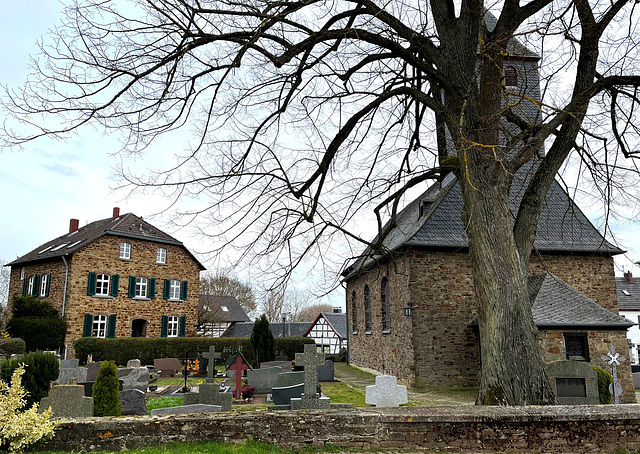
(106, 392)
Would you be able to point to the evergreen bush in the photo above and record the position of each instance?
(12, 346)
(37, 323)
(262, 341)
(40, 370)
(604, 380)
(106, 391)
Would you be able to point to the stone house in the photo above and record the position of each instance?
(411, 310)
(116, 277)
(629, 304)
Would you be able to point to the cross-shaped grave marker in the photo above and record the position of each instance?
(211, 356)
(386, 392)
(310, 359)
(186, 356)
(614, 360)
(239, 363)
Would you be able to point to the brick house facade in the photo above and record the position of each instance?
(117, 277)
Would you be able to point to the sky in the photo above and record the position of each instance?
(49, 182)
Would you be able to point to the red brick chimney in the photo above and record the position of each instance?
(116, 213)
(628, 277)
(73, 225)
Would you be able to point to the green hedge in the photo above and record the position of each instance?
(146, 349)
(604, 380)
(40, 369)
(46, 333)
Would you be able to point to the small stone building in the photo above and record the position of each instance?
(117, 277)
(411, 311)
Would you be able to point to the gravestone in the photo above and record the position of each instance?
(71, 373)
(92, 370)
(211, 357)
(326, 372)
(386, 392)
(284, 365)
(290, 379)
(69, 363)
(203, 363)
(168, 367)
(134, 363)
(573, 382)
(209, 394)
(310, 400)
(282, 395)
(67, 401)
(134, 378)
(636, 380)
(264, 380)
(183, 409)
(132, 402)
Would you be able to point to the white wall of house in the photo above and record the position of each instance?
(633, 334)
(325, 337)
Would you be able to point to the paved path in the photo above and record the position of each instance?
(432, 395)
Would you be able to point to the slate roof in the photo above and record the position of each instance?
(337, 321)
(628, 295)
(514, 46)
(127, 226)
(556, 304)
(227, 309)
(562, 228)
(296, 329)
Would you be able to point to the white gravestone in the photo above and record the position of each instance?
(386, 392)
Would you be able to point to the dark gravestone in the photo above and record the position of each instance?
(636, 380)
(92, 371)
(264, 380)
(88, 387)
(168, 367)
(132, 402)
(203, 362)
(573, 382)
(326, 372)
(290, 378)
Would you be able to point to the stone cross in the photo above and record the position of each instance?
(212, 355)
(386, 392)
(614, 360)
(310, 360)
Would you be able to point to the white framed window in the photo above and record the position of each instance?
(30, 285)
(161, 255)
(174, 290)
(99, 326)
(102, 284)
(22, 273)
(44, 280)
(141, 287)
(125, 251)
(172, 326)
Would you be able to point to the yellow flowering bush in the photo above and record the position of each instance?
(19, 429)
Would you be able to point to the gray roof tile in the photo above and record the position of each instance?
(555, 303)
(292, 329)
(337, 321)
(218, 304)
(628, 295)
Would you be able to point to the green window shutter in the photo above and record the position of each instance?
(165, 323)
(111, 327)
(115, 281)
(184, 292)
(167, 287)
(183, 326)
(132, 286)
(91, 285)
(24, 286)
(88, 325)
(152, 288)
(36, 285)
(46, 291)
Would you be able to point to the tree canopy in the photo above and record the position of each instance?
(309, 116)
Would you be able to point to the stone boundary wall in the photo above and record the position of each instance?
(555, 429)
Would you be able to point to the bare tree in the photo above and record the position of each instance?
(5, 275)
(308, 114)
(222, 283)
(309, 313)
(272, 305)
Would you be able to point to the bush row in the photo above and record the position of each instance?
(147, 349)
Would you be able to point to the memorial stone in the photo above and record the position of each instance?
(264, 380)
(132, 402)
(386, 392)
(290, 378)
(310, 400)
(168, 367)
(211, 357)
(573, 382)
(69, 363)
(67, 401)
(134, 363)
(326, 372)
(134, 378)
(285, 365)
(71, 373)
(92, 370)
